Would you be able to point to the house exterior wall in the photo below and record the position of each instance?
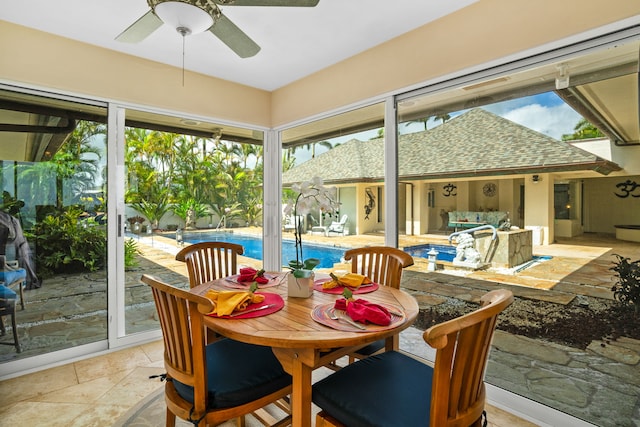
(603, 209)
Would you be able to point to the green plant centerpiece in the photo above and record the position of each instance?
(311, 195)
(627, 287)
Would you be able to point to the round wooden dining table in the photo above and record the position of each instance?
(302, 343)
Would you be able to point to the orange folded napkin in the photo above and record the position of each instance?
(364, 311)
(226, 302)
(248, 274)
(351, 280)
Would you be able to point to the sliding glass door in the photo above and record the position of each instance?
(54, 181)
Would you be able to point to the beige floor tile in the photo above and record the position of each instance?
(133, 388)
(124, 360)
(99, 416)
(37, 384)
(43, 414)
(88, 391)
(496, 417)
(154, 350)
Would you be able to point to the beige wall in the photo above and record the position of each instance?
(603, 209)
(44, 60)
(482, 32)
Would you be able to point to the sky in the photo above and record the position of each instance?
(545, 113)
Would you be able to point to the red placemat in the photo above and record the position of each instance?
(364, 289)
(232, 282)
(274, 301)
(322, 314)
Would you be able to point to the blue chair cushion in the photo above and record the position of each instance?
(372, 348)
(238, 373)
(10, 276)
(7, 293)
(388, 389)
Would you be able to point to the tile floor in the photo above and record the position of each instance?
(96, 392)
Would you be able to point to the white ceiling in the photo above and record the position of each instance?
(295, 42)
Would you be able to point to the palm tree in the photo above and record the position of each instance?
(583, 130)
(422, 121)
(76, 163)
(443, 116)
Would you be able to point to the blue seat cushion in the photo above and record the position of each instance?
(388, 389)
(10, 276)
(372, 348)
(7, 293)
(238, 373)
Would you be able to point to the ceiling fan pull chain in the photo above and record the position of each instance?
(183, 42)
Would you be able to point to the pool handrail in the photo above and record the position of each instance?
(471, 230)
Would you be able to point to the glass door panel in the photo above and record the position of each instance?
(470, 156)
(186, 181)
(346, 152)
(53, 179)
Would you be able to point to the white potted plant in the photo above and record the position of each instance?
(310, 194)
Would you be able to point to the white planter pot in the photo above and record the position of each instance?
(300, 287)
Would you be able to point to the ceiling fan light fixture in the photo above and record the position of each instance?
(184, 17)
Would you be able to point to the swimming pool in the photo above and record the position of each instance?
(253, 247)
(445, 252)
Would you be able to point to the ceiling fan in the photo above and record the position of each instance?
(196, 16)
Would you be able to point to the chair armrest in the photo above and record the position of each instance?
(8, 265)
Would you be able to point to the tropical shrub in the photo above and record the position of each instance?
(131, 252)
(65, 243)
(153, 211)
(627, 287)
(181, 209)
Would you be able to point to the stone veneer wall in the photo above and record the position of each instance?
(513, 248)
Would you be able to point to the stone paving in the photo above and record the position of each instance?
(600, 384)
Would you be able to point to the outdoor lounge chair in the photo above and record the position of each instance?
(339, 227)
(290, 223)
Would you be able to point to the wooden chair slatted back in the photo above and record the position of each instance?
(462, 349)
(381, 264)
(207, 261)
(180, 315)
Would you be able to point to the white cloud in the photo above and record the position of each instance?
(553, 121)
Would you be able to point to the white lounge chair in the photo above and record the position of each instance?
(339, 227)
(290, 224)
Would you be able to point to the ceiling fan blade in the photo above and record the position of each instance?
(234, 37)
(140, 29)
(287, 3)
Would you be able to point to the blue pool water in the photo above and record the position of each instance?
(253, 247)
(448, 253)
(445, 252)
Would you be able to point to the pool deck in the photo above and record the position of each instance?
(578, 265)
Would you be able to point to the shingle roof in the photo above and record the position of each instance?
(475, 143)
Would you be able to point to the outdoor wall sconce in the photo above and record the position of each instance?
(536, 179)
(562, 78)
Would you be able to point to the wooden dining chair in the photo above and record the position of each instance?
(393, 388)
(207, 261)
(383, 265)
(210, 384)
